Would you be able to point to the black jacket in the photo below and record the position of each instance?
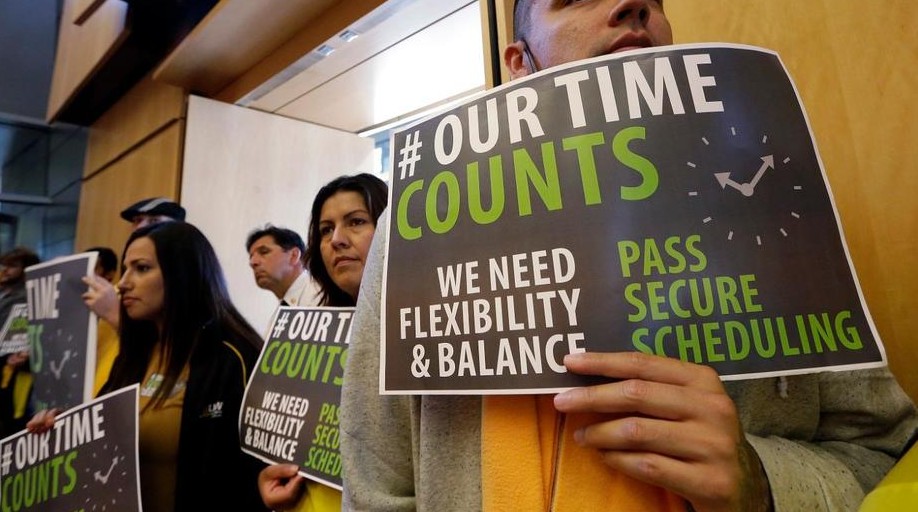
(212, 472)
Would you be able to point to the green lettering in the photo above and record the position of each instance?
(652, 258)
(726, 292)
(478, 213)
(736, 331)
(70, 472)
(628, 253)
(584, 145)
(650, 179)
(692, 342)
(406, 230)
(283, 355)
(747, 285)
(631, 291)
(655, 299)
(701, 261)
(438, 225)
(765, 347)
(637, 339)
(853, 339)
(265, 367)
(677, 308)
(670, 249)
(712, 341)
(548, 186)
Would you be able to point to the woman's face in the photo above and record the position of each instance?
(141, 285)
(345, 229)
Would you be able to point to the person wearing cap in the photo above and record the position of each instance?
(101, 297)
(151, 211)
(658, 434)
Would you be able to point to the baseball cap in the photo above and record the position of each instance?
(154, 206)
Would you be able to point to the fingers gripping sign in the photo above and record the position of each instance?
(670, 424)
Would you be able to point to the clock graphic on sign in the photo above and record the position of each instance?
(747, 190)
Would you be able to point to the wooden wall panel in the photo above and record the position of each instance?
(82, 48)
(83, 9)
(151, 170)
(141, 113)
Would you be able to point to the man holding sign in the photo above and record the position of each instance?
(655, 432)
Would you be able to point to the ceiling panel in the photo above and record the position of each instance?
(212, 56)
(372, 85)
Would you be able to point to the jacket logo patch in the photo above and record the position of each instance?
(214, 410)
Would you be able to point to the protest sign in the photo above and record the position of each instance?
(14, 337)
(87, 461)
(669, 201)
(62, 331)
(290, 408)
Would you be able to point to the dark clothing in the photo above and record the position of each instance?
(213, 473)
(9, 423)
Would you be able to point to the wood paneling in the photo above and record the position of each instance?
(214, 54)
(144, 110)
(83, 48)
(150, 170)
(84, 9)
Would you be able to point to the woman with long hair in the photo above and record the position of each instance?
(341, 227)
(191, 352)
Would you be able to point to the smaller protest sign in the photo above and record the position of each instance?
(14, 337)
(87, 461)
(290, 409)
(62, 331)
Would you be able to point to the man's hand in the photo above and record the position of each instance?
(280, 486)
(670, 424)
(102, 299)
(43, 421)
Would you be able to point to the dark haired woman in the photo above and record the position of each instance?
(191, 352)
(341, 227)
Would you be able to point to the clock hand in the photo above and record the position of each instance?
(747, 189)
(724, 179)
(768, 162)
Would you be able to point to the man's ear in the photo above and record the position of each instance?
(515, 60)
(296, 257)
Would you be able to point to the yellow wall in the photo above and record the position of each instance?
(854, 65)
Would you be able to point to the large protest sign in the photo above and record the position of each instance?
(670, 202)
(88, 461)
(290, 408)
(62, 331)
(14, 337)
